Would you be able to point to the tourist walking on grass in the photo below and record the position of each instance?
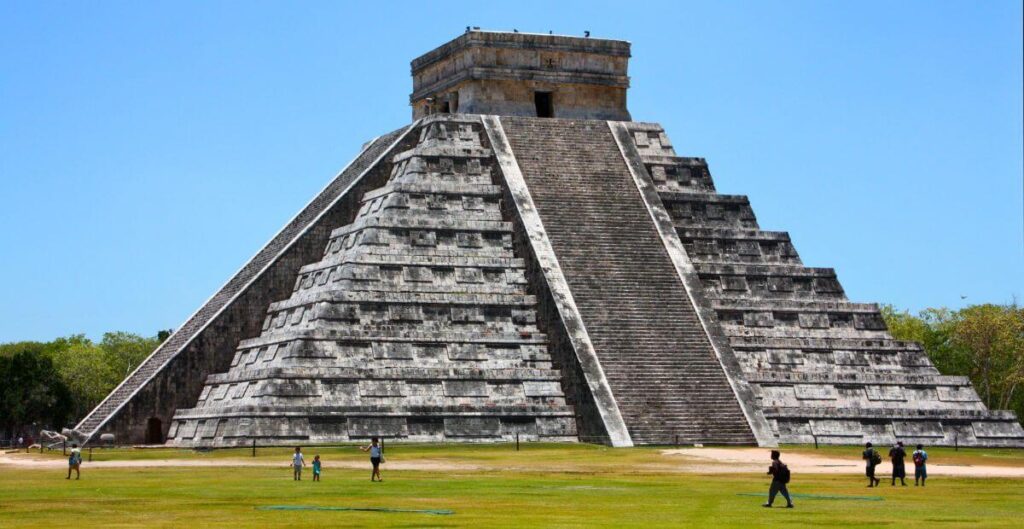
(297, 463)
(920, 465)
(780, 477)
(75, 461)
(376, 457)
(316, 467)
(899, 469)
(873, 459)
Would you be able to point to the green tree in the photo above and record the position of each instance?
(994, 335)
(85, 369)
(43, 348)
(905, 326)
(32, 393)
(982, 342)
(125, 351)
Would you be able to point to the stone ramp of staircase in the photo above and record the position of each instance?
(210, 310)
(661, 367)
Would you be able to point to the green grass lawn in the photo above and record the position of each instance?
(535, 455)
(592, 487)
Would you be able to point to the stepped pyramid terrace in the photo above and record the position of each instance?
(524, 260)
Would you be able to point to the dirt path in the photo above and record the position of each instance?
(682, 460)
(34, 461)
(756, 460)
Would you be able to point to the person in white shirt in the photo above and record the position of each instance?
(75, 461)
(297, 463)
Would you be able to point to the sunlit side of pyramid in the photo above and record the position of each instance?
(524, 260)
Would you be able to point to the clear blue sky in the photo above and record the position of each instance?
(148, 149)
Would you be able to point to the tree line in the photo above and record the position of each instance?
(50, 385)
(982, 342)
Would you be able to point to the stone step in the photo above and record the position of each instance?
(385, 410)
(795, 305)
(401, 297)
(768, 327)
(370, 372)
(431, 261)
(859, 343)
(691, 231)
(765, 270)
(395, 221)
(434, 188)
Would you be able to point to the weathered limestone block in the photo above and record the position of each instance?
(542, 389)
(472, 427)
(957, 394)
(365, 427)
(381, 388)
(883, 393)
(465, 388)
(998, 429)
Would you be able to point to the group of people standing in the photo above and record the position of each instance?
(898, 455)
(780, 472)
(375, 448)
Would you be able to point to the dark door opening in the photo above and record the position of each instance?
(154, 431)
(545, 108)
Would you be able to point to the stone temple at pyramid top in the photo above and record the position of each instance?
(523, 74)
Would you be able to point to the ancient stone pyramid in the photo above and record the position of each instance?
(524, 260)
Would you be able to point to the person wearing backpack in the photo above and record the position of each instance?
(75, 461)
(873, 459)
(920, 465)
(780, 477)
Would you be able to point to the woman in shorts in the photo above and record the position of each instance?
(376, 458)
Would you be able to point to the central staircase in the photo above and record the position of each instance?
(667, 381)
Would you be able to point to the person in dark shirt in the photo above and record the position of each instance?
(870, 456)
(899, 469)
(780, 477)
